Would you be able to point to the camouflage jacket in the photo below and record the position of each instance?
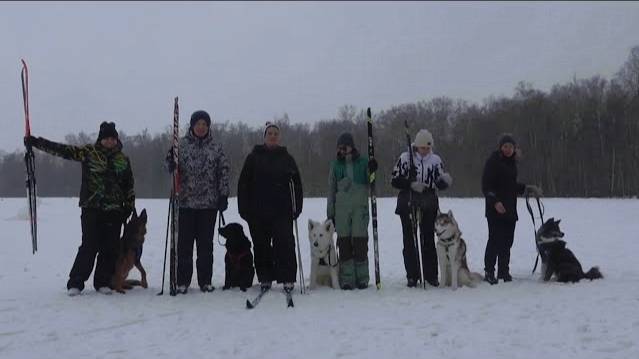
(204, 172)
(107, 178)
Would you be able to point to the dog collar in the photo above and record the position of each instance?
(447, 241)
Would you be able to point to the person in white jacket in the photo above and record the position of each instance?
(419, 183)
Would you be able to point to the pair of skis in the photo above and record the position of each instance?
(29, 161)
(415, 213)
(250, 304)
(172, 226)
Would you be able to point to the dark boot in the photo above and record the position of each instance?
(506, 277)
(490, 278)
(411, 283)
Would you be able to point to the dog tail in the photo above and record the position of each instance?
(593, 273)
(133, 282)
(476, 277)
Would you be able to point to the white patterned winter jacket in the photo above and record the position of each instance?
(204, 172)
(429, 168)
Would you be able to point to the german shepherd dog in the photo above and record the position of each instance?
(130, 254)
(238, 261)
(558, 260)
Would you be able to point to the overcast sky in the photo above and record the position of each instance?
(250, 62)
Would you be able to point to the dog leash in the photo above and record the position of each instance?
(221, 222)
(541, 209)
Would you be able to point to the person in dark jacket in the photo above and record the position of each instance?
(204, 190)
(107, 198)
(269, 184)
(500, 188)
(419, 183)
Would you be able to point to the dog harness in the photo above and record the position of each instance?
(447, 242)
(322, 262)
(235, 259)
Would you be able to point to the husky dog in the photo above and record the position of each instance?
(324, 266)
(557, 259)
(130, 254)
(451, 253)
(238, 261)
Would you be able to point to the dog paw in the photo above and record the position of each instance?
(144, 284)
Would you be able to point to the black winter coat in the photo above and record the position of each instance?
(263, 190)
(499, 184)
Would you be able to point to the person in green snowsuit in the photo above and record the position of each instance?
(347, 207)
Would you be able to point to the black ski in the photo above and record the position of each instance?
(373, 195)
(250, 304)
(414, 212)
(175, 201)
(29, 161)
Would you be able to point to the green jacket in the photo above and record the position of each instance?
(107, 178)
(348, 184)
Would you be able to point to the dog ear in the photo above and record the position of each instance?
(143, 216)
(557, 222)
(328, 226)
(311, 225)
(438, 212)
(450, 213)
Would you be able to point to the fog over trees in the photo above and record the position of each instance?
(579, 139)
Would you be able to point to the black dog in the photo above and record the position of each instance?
(239, 271)
(557, 259)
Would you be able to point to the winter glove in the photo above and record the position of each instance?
(222, 203)
(31, 141)
(418, 186)
(444, 181)
(170, 162)
(125, 212)
(372, 165)
(533, 190)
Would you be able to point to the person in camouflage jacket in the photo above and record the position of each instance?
(204, 190)
(107, 198)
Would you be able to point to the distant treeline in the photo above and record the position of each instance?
(580, 139)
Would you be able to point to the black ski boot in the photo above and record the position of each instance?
(490, 278)
(506, 277)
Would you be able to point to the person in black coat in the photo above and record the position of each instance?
(500, 187)
(264, 199)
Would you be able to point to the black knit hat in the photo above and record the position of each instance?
(107, 129)
(507, 138)
(200, 115)
(346, 139)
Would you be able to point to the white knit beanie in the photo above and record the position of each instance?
(423, 139)
(269, 125)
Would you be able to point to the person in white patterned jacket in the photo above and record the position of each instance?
(204, 190)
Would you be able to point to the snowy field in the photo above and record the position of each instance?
(522, 319)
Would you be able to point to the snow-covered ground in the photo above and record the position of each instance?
(523, 319)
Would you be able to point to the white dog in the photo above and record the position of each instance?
(324, 266)
(451, 253)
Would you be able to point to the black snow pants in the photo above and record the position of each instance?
(101, 238)
(500, 239)
(274, 247)
(195, 225)
(429, 253)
